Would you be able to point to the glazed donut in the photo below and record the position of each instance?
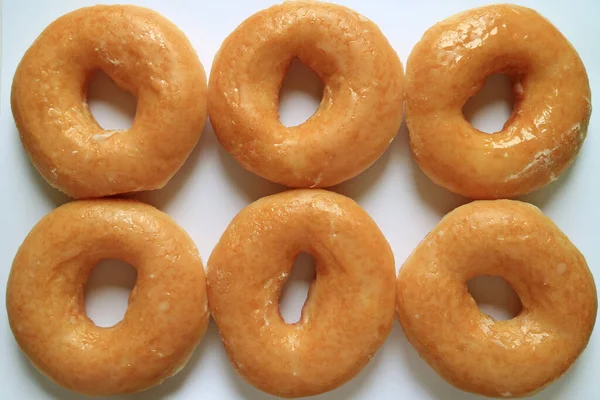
(471, 350)
(167, 313)
(358, 117)
(143, 53)
(350, 307)
(552, 102)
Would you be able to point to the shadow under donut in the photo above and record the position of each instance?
(359, 186)
(439, 389)
(51, 389)
(165, 390)
(350, 390)
(46, 192)
(160, 198)
(544, 196)
(170, 387)
(252, 187)
(435, 197)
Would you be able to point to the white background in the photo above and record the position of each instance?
(211, 188)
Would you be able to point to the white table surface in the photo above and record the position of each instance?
(211, 188)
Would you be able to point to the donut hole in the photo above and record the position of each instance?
(113, 108)
(495, 297)
(295, 290)
(300, 94)
(492, 106)
(107, 291)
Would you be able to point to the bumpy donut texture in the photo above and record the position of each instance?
(358, 117)
(350, 307)
(552, 102)
(469, 349)
(143, 53)
(167, 313)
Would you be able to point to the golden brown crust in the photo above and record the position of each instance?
(552, 102)
(358, 117)
(350, 308)
(144, 54)
(167, 313)
(471, 350)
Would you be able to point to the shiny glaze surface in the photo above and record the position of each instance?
(552, 102)
(468, 348)
(350, 307)
(358, 117)
(167, 313)
(143, 53)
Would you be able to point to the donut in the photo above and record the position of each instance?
(167, 313)
(359, 114)
(471, 350)
(144, 54)
(551, 111)
(350, 307)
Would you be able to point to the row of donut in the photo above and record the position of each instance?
(346, 318)
(359, 116)
(342, 324)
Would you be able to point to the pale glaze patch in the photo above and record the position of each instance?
(361, 109)
(350, 307)
(143, 53)
(167, 313)
(552, 102)
(469, 349)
